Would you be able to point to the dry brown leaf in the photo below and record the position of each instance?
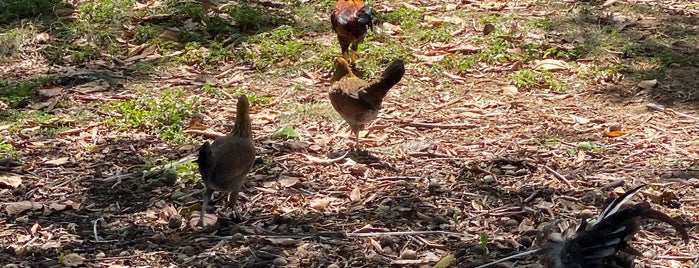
(551, 65)
(72, 260)
(320, 203)
(510, 90)
(10, 181)
(34, 229)
(209, 219)
(355, 194)
(376, 245)
(22, 206)
(391, 29)
(135, 50)
(168, 35)
(287, 181)
(648, 84)
(488, 28)
(42, 38)
(579, 119)
(58, 161)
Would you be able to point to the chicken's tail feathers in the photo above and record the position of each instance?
(618, 202)
(366, 17)
(204, 160)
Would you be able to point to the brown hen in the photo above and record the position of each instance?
(225, 163)
(358, 101)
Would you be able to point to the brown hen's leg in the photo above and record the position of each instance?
(207, 196)
(233, 204)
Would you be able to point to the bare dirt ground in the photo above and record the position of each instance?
(456, 159)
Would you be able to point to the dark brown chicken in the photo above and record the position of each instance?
(350, 20)
(604, 242)
(357, 101)
(225, 163)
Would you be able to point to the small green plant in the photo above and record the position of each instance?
(550, 141)
(188, 172)
(407, 18)
(590, 146)
(529, 79)
(7, 149)
(485, 238)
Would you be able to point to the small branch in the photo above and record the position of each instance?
(401, 233)
(660, 108)
(119, 177)
(316, 160)
(526, 253)
(438, 125)
(94, 231)
(558, 176)
(205, 133)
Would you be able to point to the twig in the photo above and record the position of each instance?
(398, 178)
(316, 160)
(526, 253)
(94, 231)
(210, 134)
(438, 125)
(558, 176)
(119, 177)
(401, 233)
(660, 108)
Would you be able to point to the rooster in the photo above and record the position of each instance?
(604, 242)
(350, 21)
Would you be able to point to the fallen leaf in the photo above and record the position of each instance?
(445, 261)
(356, 194)
(648, 84)
(22, 206)
(10, 182)
(72, 260)
(286, 132)
(488, 28)
(168, 35)
(551, 65)
(579, 120)
(58, 161)
(287, 181)
(209, 219)
(320, 203)
(510, 90)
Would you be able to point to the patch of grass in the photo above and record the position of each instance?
(438, 34)
(164, 114)
(106, 11)
(11, 40)
(277, 45)
(407, 18)
(529, 79)
(253, 19)
(19, 94)
(7, 150)
(458, 62)
(14, 10)
(188, 172)
(312, 111)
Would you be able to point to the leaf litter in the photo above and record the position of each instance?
(448, 165)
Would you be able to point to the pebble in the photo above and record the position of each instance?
(279, 262)
(408, 254)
